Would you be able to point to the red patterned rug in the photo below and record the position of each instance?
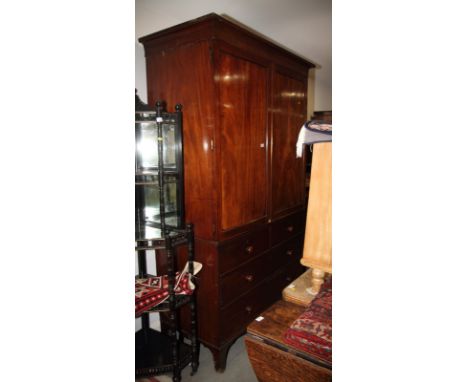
(148, 379)
(312, 330)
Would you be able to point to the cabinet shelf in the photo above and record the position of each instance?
(180, 301)
(155, 172)
(153, 353)
(149, 234)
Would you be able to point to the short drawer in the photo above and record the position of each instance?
(234, 252)
(235, 318)
(246, 277)
(289, 252)
(287, 227)
(293, 271)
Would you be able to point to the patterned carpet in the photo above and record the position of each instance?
(312, 330)
(148, 379)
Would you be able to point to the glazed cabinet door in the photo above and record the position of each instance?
(242, 101)
(289, 114)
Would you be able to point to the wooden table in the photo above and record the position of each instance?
(272, 359)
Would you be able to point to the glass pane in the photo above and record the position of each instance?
(147, 145)
(147, 191)
(169, 145)
(148, 202)
(146, 232)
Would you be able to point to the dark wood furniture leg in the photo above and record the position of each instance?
(220, 356)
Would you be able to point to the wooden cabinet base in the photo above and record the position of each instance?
(275, 365)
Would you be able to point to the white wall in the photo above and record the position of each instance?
(303, 26)
(140, 72)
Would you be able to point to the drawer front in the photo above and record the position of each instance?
(289, 252)
(235, 317)
(246, 277)
(233, 253)
(287, 227)
(293, 271)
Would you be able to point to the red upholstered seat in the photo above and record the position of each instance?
(152, 291)
(312, 331)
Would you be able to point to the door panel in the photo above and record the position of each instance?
(289, 114)
(242, 96)
(171, 79)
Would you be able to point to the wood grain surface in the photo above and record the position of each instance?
(318, 238)
(271, 358)
(274, 365)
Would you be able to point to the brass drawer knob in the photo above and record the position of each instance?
(249, 249)
(249, 278)
(289, 252)
(290, 228)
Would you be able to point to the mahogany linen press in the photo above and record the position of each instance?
(245, 100)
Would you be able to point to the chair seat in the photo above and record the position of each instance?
(152, 291)
(312, 330)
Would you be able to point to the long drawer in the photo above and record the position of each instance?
(236, 316)
(234, 252)
(246, 277)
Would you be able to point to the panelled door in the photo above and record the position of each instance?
(242, 98)
(288, 115)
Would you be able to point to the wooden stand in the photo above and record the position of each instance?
(318, 235)
(159, 228)
(317, 281)
(297, 293)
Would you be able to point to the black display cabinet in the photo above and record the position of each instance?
(160, 229)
